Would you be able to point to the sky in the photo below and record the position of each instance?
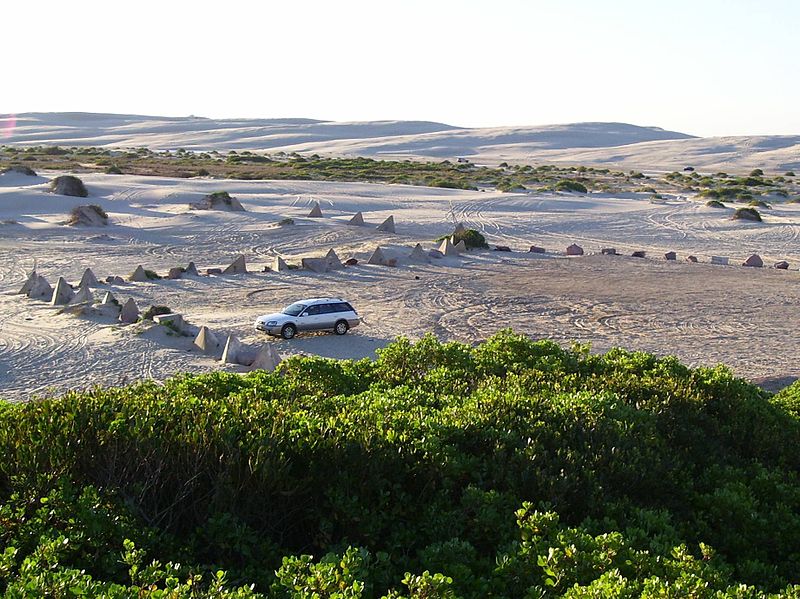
(705, 67)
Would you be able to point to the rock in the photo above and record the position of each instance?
(62, 293)
(391, 262)
(237, 267)
(350, 262)
(670, 256)
(316, 211)
(723, 260)
(502, 248)
(40, 289)
(213, 271)
(84, 296)
(130, 312)
(418, 254)
(447, 248)
(206, 341)
(88, 279)
(279, 265)
(782, 265)
(191, 270)
(535, 249)
(89, 215)
(266, 359)
(574, 250)
(219, 200)
(138, 275)
(109, 298)
(691, 259)
(175, 273)
(609, 251)
(232, 351)
(28, 284)
(67, 185)
(639, 254)
(387, 226)
(172, 320)
(377, 257)
(333, 260)
(754, 260)
(357, 220)
(318, 265)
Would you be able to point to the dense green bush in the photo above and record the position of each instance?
(571, 186)
(747, 214)
(715, 204)
(511, 469)
(472, 238)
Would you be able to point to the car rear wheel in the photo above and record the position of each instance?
(288, 331)
(341, 327)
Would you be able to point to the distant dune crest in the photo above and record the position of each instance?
(612, 144)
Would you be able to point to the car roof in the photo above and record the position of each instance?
(318, 300)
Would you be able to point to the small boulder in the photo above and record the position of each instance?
(639, 254)
(782, 265)
(213, 271)
(535, 249)
(608, 251)
(670, 256)
(691, 259)
(175, 273)
(351, 262)
(502, 248)
(754, 260)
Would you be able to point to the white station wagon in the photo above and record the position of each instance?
(315, 314)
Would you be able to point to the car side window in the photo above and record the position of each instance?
(313, 311)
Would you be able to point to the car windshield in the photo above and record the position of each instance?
(294, 309)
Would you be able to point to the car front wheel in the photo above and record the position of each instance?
(341, 327)
(288, 331)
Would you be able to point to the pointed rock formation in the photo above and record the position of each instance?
(138, 275)
(40, 289)
(387, 226)
(237, 267)
(28, 284)
(574, 250)
(460, 228)
(88, 279)
(333, 260)
(357, 220)
(316, 211)
(461, 247)
(230, 355)
(109, 298)
(377, 257)
(418, 253)
(318, 265)
(191, 270)
(130, 312)
(754, 260)
(84, 296)
(267, 359)
(447, 248)
(206, 341)
(62, 293)
(279, 265)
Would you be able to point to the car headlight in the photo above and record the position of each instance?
(272, 323)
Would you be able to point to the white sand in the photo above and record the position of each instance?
(704, 314)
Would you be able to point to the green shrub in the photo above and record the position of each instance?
(570, 186)
(715, 204)
(757, 173)
(472, 239)
(113, 170)
(759, 204)
(747, 214)
(789, 174)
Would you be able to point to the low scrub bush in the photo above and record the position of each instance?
(715, 204)
(472, 239)
(515, 468)
(570, 186)
(747, 214)
(155, 311)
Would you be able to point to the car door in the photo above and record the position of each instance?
(328, 316)
(309, 319)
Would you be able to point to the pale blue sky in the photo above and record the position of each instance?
(702, 67)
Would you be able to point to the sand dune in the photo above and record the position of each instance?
(613, 144)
